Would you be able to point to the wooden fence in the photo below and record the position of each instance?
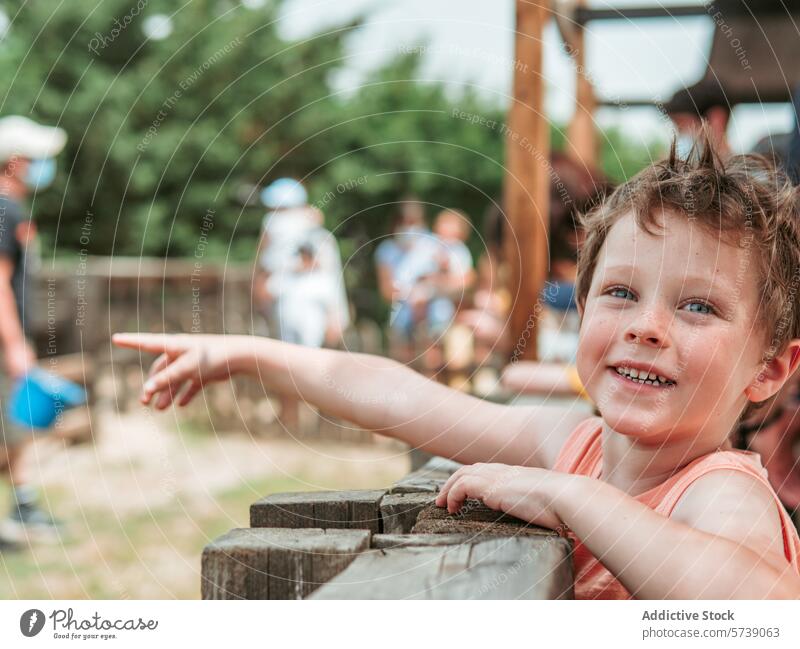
(385, 544)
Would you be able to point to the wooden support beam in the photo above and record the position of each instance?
(582, 143)
(728, 8)
(276, 563)
(527, 182)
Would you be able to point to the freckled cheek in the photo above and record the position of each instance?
(597, 335)
(709, 365)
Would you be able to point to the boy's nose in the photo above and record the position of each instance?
(649, 328)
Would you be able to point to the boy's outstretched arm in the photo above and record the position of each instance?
(723, 541)
(373, 392)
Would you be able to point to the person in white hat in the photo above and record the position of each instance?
(27, 164)
(298, 285)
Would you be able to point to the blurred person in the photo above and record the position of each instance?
(284, 227)
(689, 107)
(774, 433)
(298, 285)
(307, 302)
(793, 149)
(408, 227)
(434, 276)
(27, 152)
(491, 301)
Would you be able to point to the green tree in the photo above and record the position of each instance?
(164, 132)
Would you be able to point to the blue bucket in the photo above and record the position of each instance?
(39, 397)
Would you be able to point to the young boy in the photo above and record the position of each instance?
(687, 287)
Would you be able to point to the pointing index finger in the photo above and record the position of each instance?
(155, 343)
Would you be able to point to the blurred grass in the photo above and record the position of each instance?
(154, 554)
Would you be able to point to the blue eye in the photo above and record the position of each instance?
(698, 307)
(620, 292)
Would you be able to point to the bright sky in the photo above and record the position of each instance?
(471, 42)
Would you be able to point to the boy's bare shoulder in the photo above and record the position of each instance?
(737, 506)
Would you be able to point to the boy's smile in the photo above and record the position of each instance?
(669, 339)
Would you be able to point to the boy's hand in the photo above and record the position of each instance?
(520, 491)
(186, 362)
(20, 360)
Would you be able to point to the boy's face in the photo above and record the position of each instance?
(680, 305)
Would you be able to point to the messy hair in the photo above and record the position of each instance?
(743, 199)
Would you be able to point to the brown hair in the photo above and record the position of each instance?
(744, 199)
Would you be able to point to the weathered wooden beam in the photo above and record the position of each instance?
(582, 143)
(320, 509)
(399, 511)
(497, 568)
(273, 563)
(584, 15)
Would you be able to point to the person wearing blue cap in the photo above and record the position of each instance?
(298, 286)
(27, 159)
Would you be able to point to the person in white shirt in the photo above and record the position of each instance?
(298, 285)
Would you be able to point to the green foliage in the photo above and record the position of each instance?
(164, 133)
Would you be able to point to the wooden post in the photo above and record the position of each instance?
(527, 182)
(276, 563)
(581, 132)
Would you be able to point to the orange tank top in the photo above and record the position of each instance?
(582, 455)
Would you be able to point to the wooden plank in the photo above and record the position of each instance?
(399, 511)
(497, 568)
(387, 541)
(320, 509)
(474, 518)
(268, 563)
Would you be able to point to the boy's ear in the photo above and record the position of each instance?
(774, 373)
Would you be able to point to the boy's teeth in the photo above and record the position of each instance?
(640, 376)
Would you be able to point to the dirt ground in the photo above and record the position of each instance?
(139, 504)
